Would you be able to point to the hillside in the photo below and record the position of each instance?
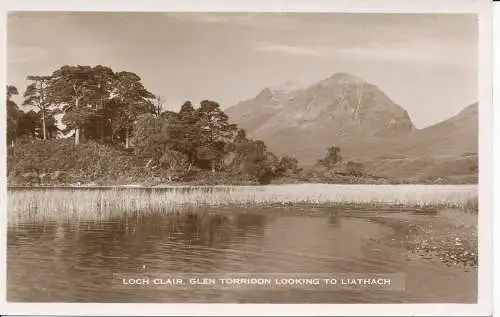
(342, 110)
(455, 136)
(349, 112)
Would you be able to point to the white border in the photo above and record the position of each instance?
(484, 305)
(496, 147)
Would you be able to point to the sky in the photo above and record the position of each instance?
(426, 63)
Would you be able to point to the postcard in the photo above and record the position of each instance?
(334, 158)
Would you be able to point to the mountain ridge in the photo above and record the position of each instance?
(349, 112)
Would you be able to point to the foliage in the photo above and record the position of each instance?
(288, 166)
(36, 161)
(30, 124)
(204, 139)
(13, 114)
(36, 97)
(354, 169)
(474, 165)
(99, 100)
(331, 158)
(107, 112)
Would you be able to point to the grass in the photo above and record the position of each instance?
(79, 204)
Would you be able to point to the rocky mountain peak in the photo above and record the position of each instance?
(265, 94)
(349, 112)
(343, 78)
(286, 87)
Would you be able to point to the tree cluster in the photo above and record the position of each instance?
(333, 158)
(94, 102)
(114, 108)
(203, 138)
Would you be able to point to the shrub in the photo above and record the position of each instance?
(354, 169)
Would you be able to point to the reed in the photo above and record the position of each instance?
(77, 204)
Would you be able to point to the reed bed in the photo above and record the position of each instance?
(81, 204)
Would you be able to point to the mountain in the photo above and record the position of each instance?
(454, 136)
(447, 149)
(348, 112)
(250, 114)
(342, 110)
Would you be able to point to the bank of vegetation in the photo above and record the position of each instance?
(92, 204)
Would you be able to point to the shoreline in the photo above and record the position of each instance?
(435, 240)
(180, 185)
(45, 203)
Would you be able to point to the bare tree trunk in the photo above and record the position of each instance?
(101, 128)
(44, 128)
(101, 123)
(77, 129)
(42, 108)
(12, 143)
(77, 135)
(126, 139)
(159, 106)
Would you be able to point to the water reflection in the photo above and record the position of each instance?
(76, 261)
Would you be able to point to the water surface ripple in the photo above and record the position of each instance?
(73, 262)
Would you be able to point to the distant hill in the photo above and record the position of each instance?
(346, 111)
(455, 136)
(446, 149)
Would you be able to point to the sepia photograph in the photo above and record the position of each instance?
(242, 157)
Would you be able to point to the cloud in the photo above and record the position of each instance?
(289, 49)
(459, 56)
(369, 53)
(250, 20)
(454, 55)
(234, 18)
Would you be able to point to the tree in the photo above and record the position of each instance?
(216, 133)
(159, 101)
(98, 123)
(36, 96)
(75, 88)
(151, 138)
(129, 100)
(13, 114)
(27, 124)
(260, 163)
(99, 100)
(354, 169)
(252, 158)
(11, 91)
(332, 157)
(287, 165)
(185, 132)
(30, 124)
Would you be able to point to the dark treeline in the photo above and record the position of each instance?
(109, 118)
